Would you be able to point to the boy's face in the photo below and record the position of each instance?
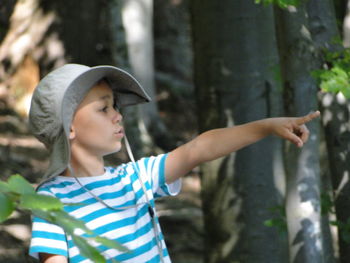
(96, 128)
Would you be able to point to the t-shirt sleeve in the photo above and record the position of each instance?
(47, 238)
(152, 170)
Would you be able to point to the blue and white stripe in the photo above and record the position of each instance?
(120, 188)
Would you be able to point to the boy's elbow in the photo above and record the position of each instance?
(197, 153)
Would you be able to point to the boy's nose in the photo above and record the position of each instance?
(117, 117)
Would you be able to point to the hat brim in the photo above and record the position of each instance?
(125, 87)
(59, 158)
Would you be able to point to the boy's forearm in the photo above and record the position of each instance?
(216, 143)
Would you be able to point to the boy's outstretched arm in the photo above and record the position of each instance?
(216, 143)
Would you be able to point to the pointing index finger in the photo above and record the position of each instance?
(307, 118)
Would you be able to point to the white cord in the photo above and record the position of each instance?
(150, 208)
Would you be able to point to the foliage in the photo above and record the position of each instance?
(280, 221)
(343, 229)
(327, 206)
(280, 3)
(17, 193)
(335, 77)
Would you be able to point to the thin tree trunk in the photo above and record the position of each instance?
(138, 23)
(172, 47)
(303, 183)
(335, 120)
(218, 201)
(236, 81)
(346, 26)
(259, 171)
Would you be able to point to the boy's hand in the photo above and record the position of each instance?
(293, 129)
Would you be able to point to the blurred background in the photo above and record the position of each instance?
(206, 64)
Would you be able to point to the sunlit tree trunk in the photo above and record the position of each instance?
(324, 30)
(22, 46)
(303, 207)
(346, 26)
(137, 18)
(335, 120)
(237, 80)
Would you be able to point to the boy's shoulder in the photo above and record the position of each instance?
(55, 182)
(66, 181)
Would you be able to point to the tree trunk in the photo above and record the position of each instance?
(238, 81)
(173, 65)
(259, 168)
(138, 23)
(173, 53)
(303, 172)
(335, 116)
(346, 26)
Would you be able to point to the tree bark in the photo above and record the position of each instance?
(236, 82)
(172, 46)
(303, 176)
(346, 26)
(173, 67)
(335, 116)
(138, 23)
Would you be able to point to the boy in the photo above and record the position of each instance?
(74, 113)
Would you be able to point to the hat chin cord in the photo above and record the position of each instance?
(150, 208)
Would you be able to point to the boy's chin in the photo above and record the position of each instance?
(113, 151)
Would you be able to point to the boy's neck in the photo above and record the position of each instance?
(86, 165)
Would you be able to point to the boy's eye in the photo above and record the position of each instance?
(104, 109)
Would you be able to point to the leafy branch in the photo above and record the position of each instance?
(280, 3)
(335, 76)
(17, 193)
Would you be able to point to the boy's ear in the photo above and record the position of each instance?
(72, 133)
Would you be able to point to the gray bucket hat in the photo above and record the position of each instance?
(57, 97)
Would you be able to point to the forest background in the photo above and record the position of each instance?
(206, 64)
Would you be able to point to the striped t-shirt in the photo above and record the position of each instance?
(119, 187)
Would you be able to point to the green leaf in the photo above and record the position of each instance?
(346, 91)
(40, 202)
(46, 215)
(87, 250)
(68, 222)
(6, 207)
(110, 243)
(327, 205)
(269, 223)
(335, 223)
(4, 187)
(280, 3)
(20, 185)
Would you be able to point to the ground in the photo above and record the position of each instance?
(180, 216)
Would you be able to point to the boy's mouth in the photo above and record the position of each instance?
(120, 132)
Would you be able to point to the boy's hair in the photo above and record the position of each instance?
(57, 97)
